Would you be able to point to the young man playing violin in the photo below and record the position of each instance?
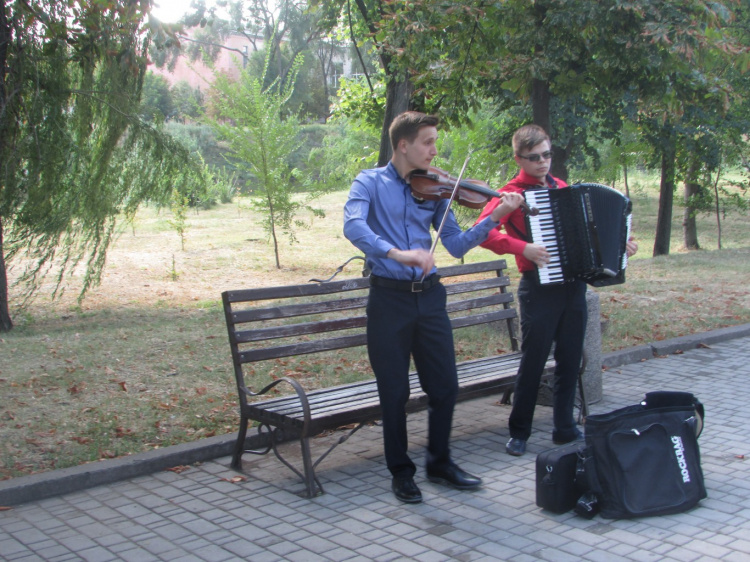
(406, 308)
(549, 313)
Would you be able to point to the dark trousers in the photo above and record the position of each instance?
(549, 313)
(400, 325)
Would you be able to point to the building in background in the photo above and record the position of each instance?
(232, 57)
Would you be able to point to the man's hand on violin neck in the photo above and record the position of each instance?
(423, 259)
(509, 202)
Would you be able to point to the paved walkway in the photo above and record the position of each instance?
(207, 513)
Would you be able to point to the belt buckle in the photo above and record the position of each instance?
(417, 286)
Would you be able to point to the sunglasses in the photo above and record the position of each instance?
(536, 157)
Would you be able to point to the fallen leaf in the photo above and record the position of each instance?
(123, 386)
(178, 469)
(235, 479)
(77, 388)
(122, 432)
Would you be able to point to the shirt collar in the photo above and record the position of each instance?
(393, 172)
(528, 179)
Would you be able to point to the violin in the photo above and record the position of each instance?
(433, 184)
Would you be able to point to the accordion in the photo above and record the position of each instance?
(585, 228)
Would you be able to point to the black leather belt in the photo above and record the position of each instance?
(411, 286)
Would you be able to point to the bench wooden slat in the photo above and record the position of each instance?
(290, 291)
(262, 334)
(470, 373)
(292, 330)
(321, 307)
(343, 342)
(295, 310)
(303, 348)
(366, 406)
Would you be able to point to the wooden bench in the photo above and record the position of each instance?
(268, 324)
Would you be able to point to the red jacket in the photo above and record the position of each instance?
(510, 242)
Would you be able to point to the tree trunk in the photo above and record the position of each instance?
(540, 104)
(666, 199)
(397, 100)
(717, 208)
(325, 55)
(689, 226)
(540, 98)
(6, 324)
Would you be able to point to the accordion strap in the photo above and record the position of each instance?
(517, 230)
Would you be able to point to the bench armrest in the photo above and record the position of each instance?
(304, 402)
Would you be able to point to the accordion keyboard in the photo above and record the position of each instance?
(543, 233)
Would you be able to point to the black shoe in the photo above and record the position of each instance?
(577, 437)
(405, 489)
(453, 476)
(516, 447)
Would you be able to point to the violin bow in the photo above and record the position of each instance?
(448, 209)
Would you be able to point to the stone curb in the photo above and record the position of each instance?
(57, 482)
(674, 345)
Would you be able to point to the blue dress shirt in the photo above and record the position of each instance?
(381, 214)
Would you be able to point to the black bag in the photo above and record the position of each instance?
(644, 459)
(559, 477)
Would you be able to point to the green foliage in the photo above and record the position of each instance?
(187, 102)
(178, 222)
(156, 100)
(485, 162)
(261, 133)
(350, 145)
(355, 100)
(74, 153)
(223, 185)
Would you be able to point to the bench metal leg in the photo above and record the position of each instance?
(314, 487)
(275, 438)
(239, 446)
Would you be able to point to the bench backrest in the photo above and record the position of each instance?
(277, 322)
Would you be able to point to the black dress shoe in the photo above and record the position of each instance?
(453, 476)
(405, 489)
(516, 447)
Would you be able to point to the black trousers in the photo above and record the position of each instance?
(400, 325)
(549, 313)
